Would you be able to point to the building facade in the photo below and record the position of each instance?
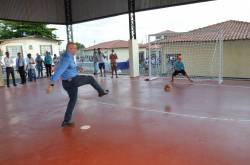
(120, 47)
(31, 44)
(205, 50)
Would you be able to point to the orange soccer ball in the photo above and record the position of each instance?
(167, 87)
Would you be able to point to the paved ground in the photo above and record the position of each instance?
(137, 124)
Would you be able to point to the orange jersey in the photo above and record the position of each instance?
(113, 58)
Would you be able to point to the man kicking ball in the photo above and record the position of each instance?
(67, 70)
(179, 68)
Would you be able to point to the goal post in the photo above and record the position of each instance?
(201, 51)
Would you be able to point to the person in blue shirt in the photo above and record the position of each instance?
(20, 64)
(39, 65)
(48, 63)
(179, 69)
(67, 71)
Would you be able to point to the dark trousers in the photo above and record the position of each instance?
(10, 71)
(102, 68)
(71, 86)
(114, 68)
(31, 74)
(48, 69)
(22, 74)
(39, 68)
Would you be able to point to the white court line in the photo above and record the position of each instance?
(198, 84)
(217, 85)
(174, 114)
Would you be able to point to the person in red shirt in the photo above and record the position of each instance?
(113, 64)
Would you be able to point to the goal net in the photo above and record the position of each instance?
(201, 51)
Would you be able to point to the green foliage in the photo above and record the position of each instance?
(79, 46)
(10, 29)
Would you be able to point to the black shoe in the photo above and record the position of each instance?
(8, 86)
(104, 93)
(67, 124)
(15, 85)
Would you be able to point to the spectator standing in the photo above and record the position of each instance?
(95, 60)
(9, 69)
(1, 73)
(39, 65)
(31, 68)
(20, 66)
(101, 61)
(48, 63)
(113, 57)
(55, 61)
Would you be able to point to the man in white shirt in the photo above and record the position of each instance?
(9, 69)
(101, 61)
(31, 68)
(95, 60)
(1, 73)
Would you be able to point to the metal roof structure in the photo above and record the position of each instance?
(54, 11)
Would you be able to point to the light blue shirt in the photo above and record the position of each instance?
(179, 66)
(19, 62)
(66, 68)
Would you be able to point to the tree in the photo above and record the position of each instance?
(79, 46)
(11, 29)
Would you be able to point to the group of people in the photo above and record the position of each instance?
(67, 71)
(99, 59)
(28, 67)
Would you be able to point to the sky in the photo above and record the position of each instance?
(178, 19)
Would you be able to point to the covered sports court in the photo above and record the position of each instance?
(138, 123)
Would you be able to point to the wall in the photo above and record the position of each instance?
(237, 59)
(202, 59)
(26, 42)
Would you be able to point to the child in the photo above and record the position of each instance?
(179, 68)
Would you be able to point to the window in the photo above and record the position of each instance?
(13, 50)
(44, 48)
(30, 47)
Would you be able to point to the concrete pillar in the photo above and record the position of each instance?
(1, 77)
(133, 58)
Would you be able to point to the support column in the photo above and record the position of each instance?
(131, 14)
(69, 30)
(133, 44)
(1, 71)
(1, 77)
(68, 17)
(133, 58)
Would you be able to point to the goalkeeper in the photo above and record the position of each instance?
(179, 69)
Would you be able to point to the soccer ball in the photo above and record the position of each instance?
(167, 88)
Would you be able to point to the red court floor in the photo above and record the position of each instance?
(136, 124)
